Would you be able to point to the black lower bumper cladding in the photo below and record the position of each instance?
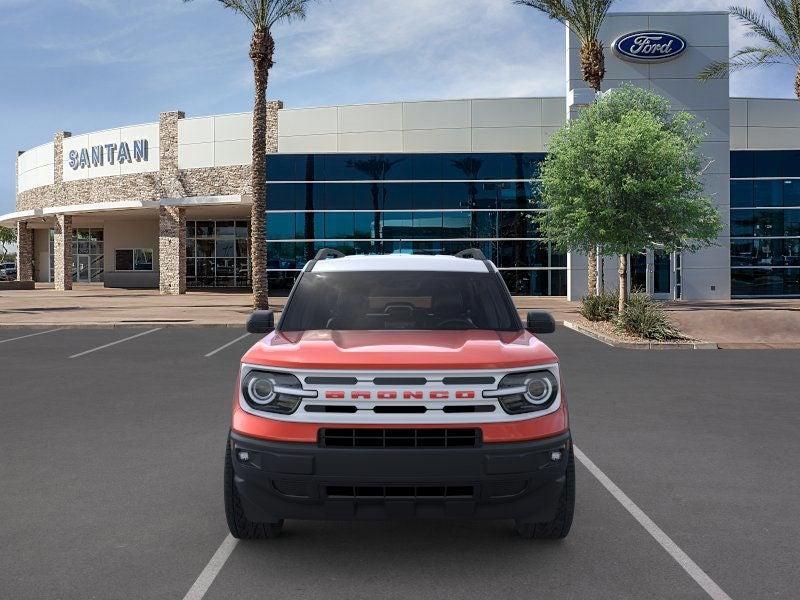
(521, 480)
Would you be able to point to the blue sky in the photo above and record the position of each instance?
(84, 65)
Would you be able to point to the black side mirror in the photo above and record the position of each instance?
(261, 321)
(540, 322)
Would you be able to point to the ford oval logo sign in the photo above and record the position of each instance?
(649, 46)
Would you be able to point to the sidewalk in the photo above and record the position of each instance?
(735, 324)
(93, 305)
(741, 323)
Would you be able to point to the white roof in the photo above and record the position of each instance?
(400, 262)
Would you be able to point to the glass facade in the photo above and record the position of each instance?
(765, 223)
(217, 254)
(410, 203)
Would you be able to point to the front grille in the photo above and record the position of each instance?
(436, 492)
(400, 438)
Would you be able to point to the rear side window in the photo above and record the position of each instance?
(400, 300)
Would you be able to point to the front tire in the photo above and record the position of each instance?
(559, 527)
(238, 523)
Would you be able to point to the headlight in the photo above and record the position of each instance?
(273, 392)
(526, 392)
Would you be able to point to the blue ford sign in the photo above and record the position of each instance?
(649, 46)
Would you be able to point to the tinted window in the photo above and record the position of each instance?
(742, 164)
(400, 300)
(741, 194)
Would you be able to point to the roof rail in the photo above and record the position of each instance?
(322, 255)
(471, 253)
(328, 253)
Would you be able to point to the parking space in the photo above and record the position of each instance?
(112, 465)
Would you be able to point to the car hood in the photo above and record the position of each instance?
(375, 350)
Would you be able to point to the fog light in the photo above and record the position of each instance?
(555, 455)
(243, 455)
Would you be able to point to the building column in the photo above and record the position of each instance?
(62, 251)
(24, 252)
(172, 250)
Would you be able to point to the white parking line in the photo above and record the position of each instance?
(231, 343)
(214, 566)
(695, 572)
(85, 352)
(22, 337)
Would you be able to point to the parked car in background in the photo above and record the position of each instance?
(8, 271)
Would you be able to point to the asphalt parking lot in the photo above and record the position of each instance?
(110, 481)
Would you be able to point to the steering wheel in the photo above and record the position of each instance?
(456, 320)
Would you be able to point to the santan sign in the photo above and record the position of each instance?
(97, 156)
(649, 46)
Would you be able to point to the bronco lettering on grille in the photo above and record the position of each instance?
(393, 395)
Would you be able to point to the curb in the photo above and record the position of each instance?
(115, 325)
(640, 345)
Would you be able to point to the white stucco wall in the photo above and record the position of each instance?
(765, 124)
(35, 167)
(706, 275)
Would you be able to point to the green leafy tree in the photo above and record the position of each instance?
(778, 40)
(263, 15)
(584, 19)
(8, 236)
(626, 174)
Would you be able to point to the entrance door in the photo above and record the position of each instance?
(650, 272)
(83, 268)
(662, 270)
(638, 270)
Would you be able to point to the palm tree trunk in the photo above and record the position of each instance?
(797, 84)
(623, 282)
(261, 52)
(593, 70)
(593, 67)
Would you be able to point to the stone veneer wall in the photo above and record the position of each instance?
(24, 252)
(169, 182)
(62, 251)
(172, 250)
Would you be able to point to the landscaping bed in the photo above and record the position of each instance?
(606, 332)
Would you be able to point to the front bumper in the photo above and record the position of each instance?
(494, 481)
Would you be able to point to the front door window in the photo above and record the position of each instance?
(661, 272)
(87, 255)
(639, 272)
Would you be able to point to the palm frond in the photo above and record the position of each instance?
(583, 17)
(787, 14)
(759, 26)
(263, 14)
(745, 58)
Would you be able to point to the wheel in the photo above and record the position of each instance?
(238, 523)
(558, 528)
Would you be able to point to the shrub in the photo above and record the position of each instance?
(601, 307)
(644, 317)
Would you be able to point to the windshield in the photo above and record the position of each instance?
(400, 300)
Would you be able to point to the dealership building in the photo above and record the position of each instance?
(167, 204)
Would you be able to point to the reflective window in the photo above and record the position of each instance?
(88, 262)
(218, 252)
(406, 203)
(765, 255)
(765, 282)
(741, 194)
(402, 167)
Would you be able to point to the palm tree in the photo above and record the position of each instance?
(584, 19)
(780, 41)
(263, 15)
